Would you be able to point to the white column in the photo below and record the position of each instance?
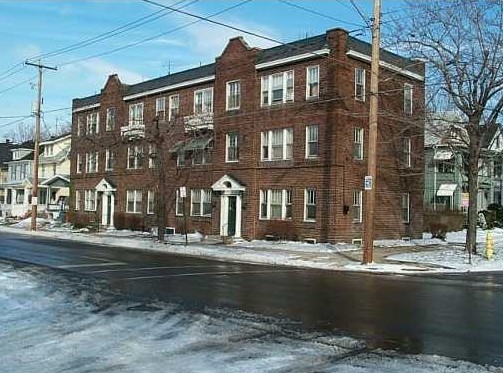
(104, 208)
(112, 208)
(238, 216)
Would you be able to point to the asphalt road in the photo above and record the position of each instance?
(459, 316)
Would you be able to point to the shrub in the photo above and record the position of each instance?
(438, 230)
(281, 229)
(119, 220)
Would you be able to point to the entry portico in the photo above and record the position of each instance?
(107, 191)
(231, 201)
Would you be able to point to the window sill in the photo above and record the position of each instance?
(309, 221)
(312, 98)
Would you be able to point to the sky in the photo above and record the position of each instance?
(139, 40)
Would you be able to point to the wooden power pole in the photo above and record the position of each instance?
(370, 179)
(34, 191)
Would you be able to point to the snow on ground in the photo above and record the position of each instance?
(424, 255)
(60, 324)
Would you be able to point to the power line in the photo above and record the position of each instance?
(18, 84)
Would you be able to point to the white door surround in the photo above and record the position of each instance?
(231, 202)
(107, 191)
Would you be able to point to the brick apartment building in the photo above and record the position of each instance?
(261, 142)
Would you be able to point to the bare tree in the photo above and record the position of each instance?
(22, 133)
(462, 43)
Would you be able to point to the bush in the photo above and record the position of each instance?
(438, 230)
(281, 229)
(497, 210)
(119, 220)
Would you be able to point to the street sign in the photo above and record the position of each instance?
(368, 183)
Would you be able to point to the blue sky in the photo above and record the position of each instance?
(170, 43)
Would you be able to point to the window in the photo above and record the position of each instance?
(276, 204)
(311, 141)
(310, 204)
(232, 150)
(277, 88)
(406, 207)
(160, 108)
(109, 160)
(110, 122)
(312, 81)
(180, 158)
(80, 164)
(201, 156)
(136, 114)
(134, 157)
(152, 155)
(78, 199)
(233, 95)
(92, 162)
(445, 167)
(90, 200)
(406, 152)
(360, 84)
(407, 99)
(92, 126)
(357, 205)
(174, 106)
(358, 150)
(277, 144)
(203, 101)
(133, 201)
(201, 202)
(179, 203)
(150, 202)
(80, 126)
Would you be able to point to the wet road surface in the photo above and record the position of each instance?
(452, 315)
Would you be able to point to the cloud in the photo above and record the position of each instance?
(100, 69)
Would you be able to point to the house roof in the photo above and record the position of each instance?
(298, 47)
(5, 153)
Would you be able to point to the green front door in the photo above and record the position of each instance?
(231, 216)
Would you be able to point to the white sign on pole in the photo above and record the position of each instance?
(34, 201)
(368, 183)
(183, 192)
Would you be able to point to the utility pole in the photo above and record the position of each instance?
(34, 192)
(370, 179)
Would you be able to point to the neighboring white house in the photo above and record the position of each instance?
(53, 177)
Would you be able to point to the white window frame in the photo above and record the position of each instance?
(152, 154)
(180, 159)
(312, 137)
(134, 196)
(309, 200)
(233, 96)
(174, 106)
(78, 199)
(312, 85)
(203, 198)
(287, 84)
(134, 152)
(267, 144)
(110, 119)
(80, 125)
(266, 203)
(179, 203)
(92, 123)
(203, 101)
(136, 114)
(360, 84)
(150, 202)
(109, 160)
(357, 206)
(359, 134)
(407, 156)
(80, 164)
(231, 138)
(92, 162)
(90, 196)
(160, 108)
(406, 207)
(408, 91)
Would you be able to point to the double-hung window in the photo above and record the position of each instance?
(92, 162)
(233, 101)
(179, 203)
(136, 114)
(277, 144)
(78, 199)
(150, 202)
(312, 141)
(232, 150)
(277, 88)
(90, 200)
(133, 201)
(407, 152)
(312, 82)
(152, 156)
(109, 160)
(407, 98)
(357, 206)
(80, 164)
(310, 204)
(358, 144)
(359, 84)
(203, 101)
(174, 106)
(201, 202)
(134, 157)
(406, 207)
(160, 108)
(92, 125)
(110, 120)
(275, 204)
(80, 126)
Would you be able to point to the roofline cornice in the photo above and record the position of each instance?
(287, 60)
(84, 108)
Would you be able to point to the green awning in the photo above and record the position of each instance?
(192, 144)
